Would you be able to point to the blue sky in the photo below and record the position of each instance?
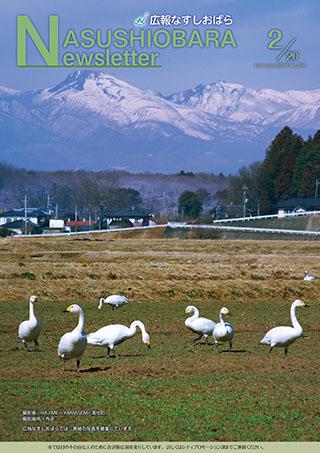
(181, 68)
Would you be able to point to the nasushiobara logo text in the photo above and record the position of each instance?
(121, 47)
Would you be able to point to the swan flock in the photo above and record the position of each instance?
(73, 344)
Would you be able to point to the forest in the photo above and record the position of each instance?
(91, 192)
(290, 169)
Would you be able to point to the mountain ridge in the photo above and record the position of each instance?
(99, 121)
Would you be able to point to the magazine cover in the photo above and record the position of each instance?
(160, 225)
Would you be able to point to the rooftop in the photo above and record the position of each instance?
(18, 224)
(126, 213)
(31, 212)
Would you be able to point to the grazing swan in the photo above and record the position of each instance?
(284, 336)
(202, 326)
(114, 301)
(223, 331)
(73, 344)
(30, 330)
(308, 277)
(114, 334)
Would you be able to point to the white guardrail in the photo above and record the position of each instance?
(74, 233)
(252, 229)
(270, 216)
(176, 225)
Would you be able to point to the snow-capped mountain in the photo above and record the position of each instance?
(265, 107)
(94, 120)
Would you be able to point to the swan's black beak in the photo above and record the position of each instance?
(307, 306)
(148, 344)
(65, 311)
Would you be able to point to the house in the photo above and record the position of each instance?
(81, 225)
(230, 211)
(297, 205)
(126, 218)
(21, 227)
(36, 216)
(56, 226)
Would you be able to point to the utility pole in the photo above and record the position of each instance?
(245, 200)
(102, 213)
(317, 188)
(25, 214)
(75, 218)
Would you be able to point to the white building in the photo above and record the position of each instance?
(36, 216)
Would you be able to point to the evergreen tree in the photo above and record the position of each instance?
(274, 180)
(316, 138)
(190, 204)
(307, 168)
(283, 182)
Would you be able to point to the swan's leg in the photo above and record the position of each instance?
(198, 338)
(113, 307)
(216, 345)
(206, 337)
(109, 351)
(285, 353)
(111, 348)
(64, 365)
(270, 350)
(36, 345)
(230, 345)
(78, 365)
(25, 345)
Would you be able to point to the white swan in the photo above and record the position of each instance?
(30, 330)
(114, 334)
(223, 331)
(114, 300)
(202, 326)
(73, 344)
(284, 336)
(308, 277)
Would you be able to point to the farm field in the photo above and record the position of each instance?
(178, 390)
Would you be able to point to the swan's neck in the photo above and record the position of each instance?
(221, 318)
(31, 311)
(195, 314)
(136, 325)
(294, 320)
(80, 325)
(101, 303)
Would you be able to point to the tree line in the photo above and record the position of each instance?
(88, 192)
(91, 192)
(290, 169)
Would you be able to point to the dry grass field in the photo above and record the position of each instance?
(177, 390)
